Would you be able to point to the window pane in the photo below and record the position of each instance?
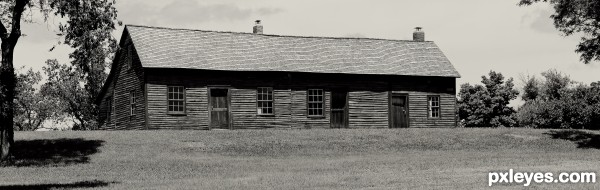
(433, 106)
(175, 97)
(264, 100)
(315, 102)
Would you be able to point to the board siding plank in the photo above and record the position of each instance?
(368, 99)
(129, 78)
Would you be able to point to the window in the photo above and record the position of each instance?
(132, 102)
(264, 101)
(434, 106)
(315, 102)
(176, 100)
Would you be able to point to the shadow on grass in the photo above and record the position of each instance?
(76, 185)
(582, 138)
(53, 152)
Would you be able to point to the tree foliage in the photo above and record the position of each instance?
(561, 103)
(487, 104)
(555, 84)
(577, 16)
(64, 84)
(530, 89)
(89, 33)
(32, 108)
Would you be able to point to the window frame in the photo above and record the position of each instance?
(430, 107)
(183, 91)
(308, 103)
(132, 103)
(259, 93)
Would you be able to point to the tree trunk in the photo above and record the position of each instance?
(7, 88)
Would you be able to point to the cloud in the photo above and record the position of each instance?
(192, 11)
(540, 21)
(189, 12)
(268, 11)
(137, 13)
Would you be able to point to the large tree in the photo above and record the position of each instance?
(577, 16)
(487, 104)
(87, 29)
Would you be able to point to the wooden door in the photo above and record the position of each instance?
(399, 111)
(219, 108)
(339, 109)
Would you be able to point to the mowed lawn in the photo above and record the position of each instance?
(296, 159)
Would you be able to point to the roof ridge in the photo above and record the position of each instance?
(275, 35)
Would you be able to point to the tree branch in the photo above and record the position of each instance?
(15, 32)
(3, 31)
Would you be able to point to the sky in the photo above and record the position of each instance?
(476, 35)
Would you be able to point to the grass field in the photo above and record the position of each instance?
(296, 159)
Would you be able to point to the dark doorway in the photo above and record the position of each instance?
(399, 111)
(219, 108)
(339, 109)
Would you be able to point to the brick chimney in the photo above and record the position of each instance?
(258, 28)
(418, 35)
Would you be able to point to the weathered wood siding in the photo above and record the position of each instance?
(129, 77)
(244, 114)
(368, 98)
(419, 90)
(196, 111)
(242, 107)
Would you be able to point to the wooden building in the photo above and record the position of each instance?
(164, 78)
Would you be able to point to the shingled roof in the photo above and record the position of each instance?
(232, 51)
